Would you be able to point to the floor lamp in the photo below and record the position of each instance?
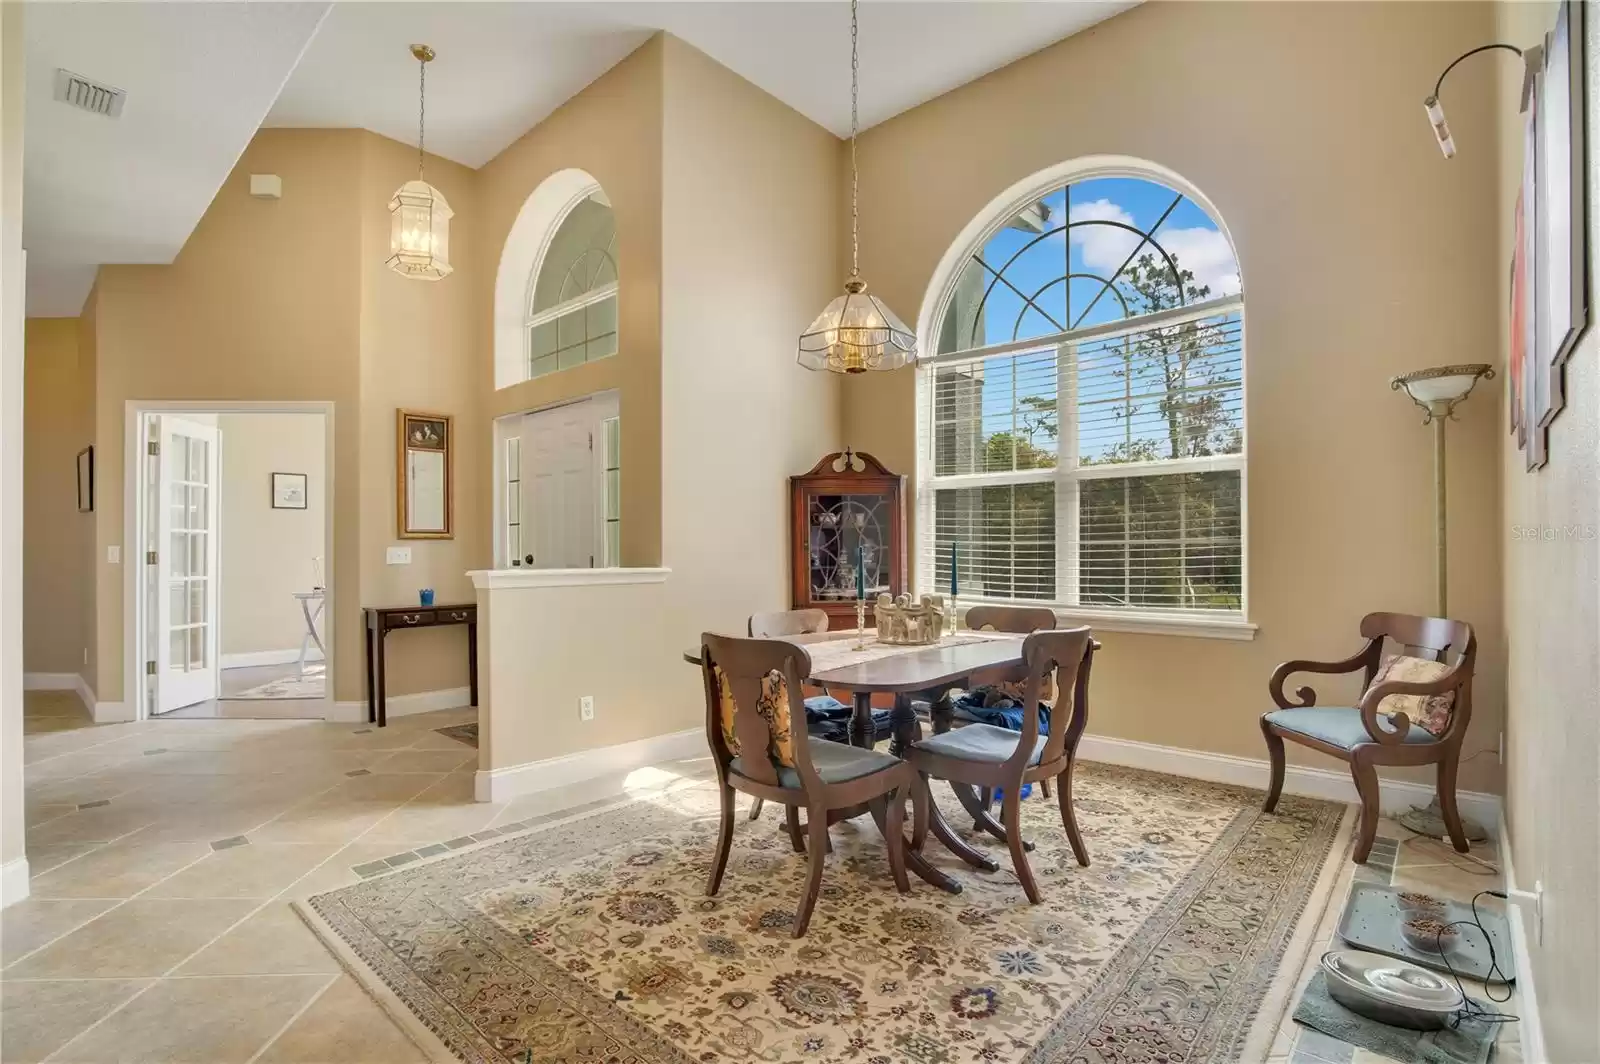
(1437, 391)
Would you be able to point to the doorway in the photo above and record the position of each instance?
(233, 526)
(559, 503)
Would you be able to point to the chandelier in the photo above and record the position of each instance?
(419, 217)
(856, 332)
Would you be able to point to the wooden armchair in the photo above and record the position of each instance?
(1365, 736)
(756, 727)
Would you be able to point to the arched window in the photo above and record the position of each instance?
(572, 293)
(1081, 415)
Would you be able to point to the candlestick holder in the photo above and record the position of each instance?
(955, 615)
(861, 624)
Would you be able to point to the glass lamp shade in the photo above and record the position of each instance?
(1439, 389)
(857, 333)
(419, 232)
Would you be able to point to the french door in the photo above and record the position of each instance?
(185, 549)
(559, 494)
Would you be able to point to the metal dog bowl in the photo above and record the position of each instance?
(1390, 991)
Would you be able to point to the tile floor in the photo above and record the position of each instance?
(164, 856)
(231, 682)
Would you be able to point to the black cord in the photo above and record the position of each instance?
(1481, 48)
(1470, 1009)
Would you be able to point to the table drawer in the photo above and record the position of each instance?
(409, 619)
(458, 615)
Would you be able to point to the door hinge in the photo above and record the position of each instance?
(151, 557)
(591, 442)
(149, 668)
(591, 561)
(153, 448)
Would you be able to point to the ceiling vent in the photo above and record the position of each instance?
(78, 91)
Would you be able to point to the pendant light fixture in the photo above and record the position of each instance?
(419, 227)
(856, 332)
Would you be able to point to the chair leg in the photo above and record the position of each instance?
(797, 839)
(1044, 788)
(894, 836)
(1011, 811)
(1069, 816)
(1366, 776)
(921, 799)
(755, 808)
(1447, 801)
(724, 841)
(818, 828)
(1275, 755)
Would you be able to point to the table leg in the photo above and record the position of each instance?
(378, 638)
(372, 690)
(978, 804)
(956, 844)
(917, 864)
(903, 721)
(861, 731)
(472, 659)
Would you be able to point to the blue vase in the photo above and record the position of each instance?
(426, 595)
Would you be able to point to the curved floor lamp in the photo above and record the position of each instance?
(1437, 391)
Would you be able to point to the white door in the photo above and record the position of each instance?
(186, 565)
(558, 483)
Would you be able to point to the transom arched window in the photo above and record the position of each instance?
(572, 293)
(1081, 422)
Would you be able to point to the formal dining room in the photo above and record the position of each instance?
(849, 531)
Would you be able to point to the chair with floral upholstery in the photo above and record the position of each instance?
(1414, 709)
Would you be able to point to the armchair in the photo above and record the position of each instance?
(1365, 735)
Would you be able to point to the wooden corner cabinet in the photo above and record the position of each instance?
(847, 500)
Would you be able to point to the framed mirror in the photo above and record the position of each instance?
(425, 493)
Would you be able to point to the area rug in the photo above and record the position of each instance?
(461, 733)
(591, 939)
(311, 685)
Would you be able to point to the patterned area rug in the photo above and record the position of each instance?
(461, 733)
(592, 939)
(311, 685)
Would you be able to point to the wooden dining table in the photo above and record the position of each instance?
(844, 661)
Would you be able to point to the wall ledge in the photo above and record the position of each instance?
(498, 579)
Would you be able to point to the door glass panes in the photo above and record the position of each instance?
(513, 500)
(837, 526)
(572, 302)
(611, 457)
(189, 560)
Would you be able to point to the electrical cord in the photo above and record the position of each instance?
(1470, 1009)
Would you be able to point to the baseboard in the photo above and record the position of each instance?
(111, 712)
(13, 881)
(513, 781)
(65, 681)
(405, 705)
(1530, 1029)
(1394, 796)
(250, 659)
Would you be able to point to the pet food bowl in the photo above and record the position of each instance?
(1430, 934)
(1416, 903)
(1390, 991)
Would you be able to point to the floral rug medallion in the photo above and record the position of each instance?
(593, 941)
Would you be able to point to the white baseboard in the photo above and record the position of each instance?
(13, 881)
(1530, 1028)
(513, 781)
(1394, 796)
(405, 705)
(112, 712)
(254, 658)
(66, 681)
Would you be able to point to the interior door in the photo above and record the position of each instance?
(186, 564)
(558, 483)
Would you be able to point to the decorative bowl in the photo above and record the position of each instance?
(1390, 991)
(1430, 934)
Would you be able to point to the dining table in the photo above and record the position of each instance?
(856, 662)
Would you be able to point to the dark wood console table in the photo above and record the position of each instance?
(379, 621)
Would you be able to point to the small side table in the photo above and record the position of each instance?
(379, 621)
(311, 603)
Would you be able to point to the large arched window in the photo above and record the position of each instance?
(1081, 414)
(572, 292)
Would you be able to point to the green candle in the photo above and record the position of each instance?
(861, 574)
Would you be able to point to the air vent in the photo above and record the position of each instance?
(78, 91)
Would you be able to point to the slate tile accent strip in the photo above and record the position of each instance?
(429, 851)
(358, 772)
(371, 868)
(400, 859)
(157, 750)
(230, 842)
(457, 843)
(361, 731)
(94, 805)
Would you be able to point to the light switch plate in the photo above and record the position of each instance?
(114, 555)
(398, 556)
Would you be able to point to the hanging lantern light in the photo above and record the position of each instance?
(419, 217)
(856, 332)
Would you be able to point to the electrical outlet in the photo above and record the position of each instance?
(114, 555)
(586, 707)
(398, 556)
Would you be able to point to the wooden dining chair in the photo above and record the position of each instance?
(783, 623)
(982, 755)
(1414, 710)
(1018, 620)
(755, 725)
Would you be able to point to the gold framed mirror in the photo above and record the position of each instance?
(425, 491)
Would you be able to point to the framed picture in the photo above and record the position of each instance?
(86, 480)
(288, 491)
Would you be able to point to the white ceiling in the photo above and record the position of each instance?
(202, 77)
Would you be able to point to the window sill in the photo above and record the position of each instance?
(1161, 624)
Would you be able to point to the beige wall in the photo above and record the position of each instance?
(13, 876)
(265, 554)
(57, 424)
(612, 130)
(1552, 601)
(1363, 255)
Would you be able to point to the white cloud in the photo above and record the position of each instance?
(1204, 251)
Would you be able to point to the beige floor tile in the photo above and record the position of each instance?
(1457, 882)
(1419, 850)
(37, 813)
(42, 859)
(36, 1019)
(336, 872)
(203, 1021)
(274, 941)
(210, 825)
(101, 824)
(343, 1025)
(428, 760)
(336, 822)
(376, 787)
(118, 870)
(32, 922)
(248, 871)
(137, 938)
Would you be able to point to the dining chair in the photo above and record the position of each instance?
(982, 755)
(1414, 710)
(1017, 620)
(755, 724)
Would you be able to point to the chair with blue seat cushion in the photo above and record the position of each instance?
(755, 725)
(990, 758)
(1397, 721)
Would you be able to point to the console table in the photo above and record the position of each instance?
(379, 621)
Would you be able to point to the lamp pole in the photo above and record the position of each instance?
(1441, 538)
